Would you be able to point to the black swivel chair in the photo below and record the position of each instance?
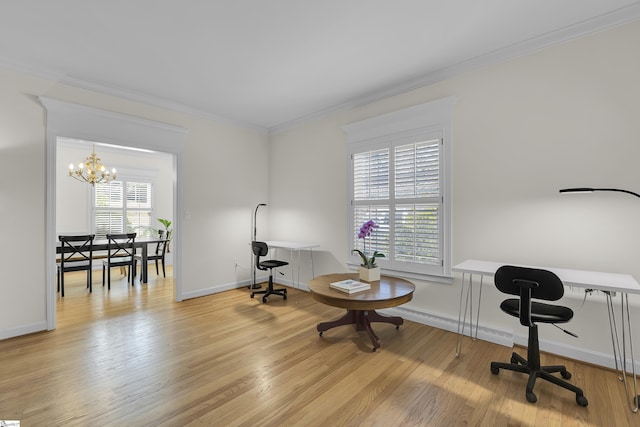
(528, 284)
(261, 249)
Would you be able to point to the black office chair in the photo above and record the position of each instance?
(120, 253)
(261, 249)
(532, 283)
(76, 254)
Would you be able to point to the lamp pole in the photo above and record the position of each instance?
(254, 285)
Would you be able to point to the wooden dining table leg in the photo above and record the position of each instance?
(145, 270)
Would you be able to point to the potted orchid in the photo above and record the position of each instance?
(369, 271)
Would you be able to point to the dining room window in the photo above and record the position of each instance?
(123, 206)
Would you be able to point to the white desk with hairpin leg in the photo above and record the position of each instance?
(295, 247)
(607, 283)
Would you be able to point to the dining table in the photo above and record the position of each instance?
(141, 243)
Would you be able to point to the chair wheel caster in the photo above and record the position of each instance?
(264, 299)
(531, 397)
(495, 371)
(397, 327)
(320, 333)
(565, 374)
(374, 349)
(252, 294)
(581, 400)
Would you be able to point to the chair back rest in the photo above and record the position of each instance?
(121, 245)
(76, 248)
(161, 247)
(260, 249)
(528, 283)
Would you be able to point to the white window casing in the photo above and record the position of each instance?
(400, 176)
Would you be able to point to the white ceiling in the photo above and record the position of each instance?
(271, 63)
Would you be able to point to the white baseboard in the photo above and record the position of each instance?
(508, 338)
(215, 289)
(23, 330)
(495, 336)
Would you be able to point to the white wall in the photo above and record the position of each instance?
(523, 129)
(220, 190)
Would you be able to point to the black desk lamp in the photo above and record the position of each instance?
(591, 190)
(254, 285)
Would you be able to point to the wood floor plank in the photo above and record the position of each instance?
(131, 356)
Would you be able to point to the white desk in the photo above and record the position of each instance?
(608, 283)
(295, 247)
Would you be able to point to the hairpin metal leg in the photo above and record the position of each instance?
(468, 308)
(620, 355)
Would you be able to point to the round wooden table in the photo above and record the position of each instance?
(361, 306)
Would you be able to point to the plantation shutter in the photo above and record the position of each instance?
(138, 207)
(417, 225)
(108, 203)
(371, 198)
(122, 207)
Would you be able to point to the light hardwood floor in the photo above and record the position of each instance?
(132, 357)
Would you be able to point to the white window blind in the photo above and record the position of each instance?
(400, 179)
(408, 217)
(122, 206)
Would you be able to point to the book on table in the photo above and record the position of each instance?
(350, 286)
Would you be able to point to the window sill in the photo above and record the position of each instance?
(408, 275)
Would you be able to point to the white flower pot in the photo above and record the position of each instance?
(370, 274)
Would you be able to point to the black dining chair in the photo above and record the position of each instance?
(76, 254)
(120, 253)
(261, 249)
(158, 255)
(534, 284)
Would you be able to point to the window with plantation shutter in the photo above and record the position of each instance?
(400, 178)
(122, 206)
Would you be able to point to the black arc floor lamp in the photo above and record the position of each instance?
(591, 190)
(254, 285)
(619, 355)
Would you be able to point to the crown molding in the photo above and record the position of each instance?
(609, 20)
(157, 102)
(110, 90)
(603, 22)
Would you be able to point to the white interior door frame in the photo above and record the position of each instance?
(64, 119)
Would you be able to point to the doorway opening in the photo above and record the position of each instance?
(73, 123)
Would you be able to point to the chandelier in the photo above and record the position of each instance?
(92, 170)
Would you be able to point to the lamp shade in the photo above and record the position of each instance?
(591, 190)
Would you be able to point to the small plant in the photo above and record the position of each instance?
(167, 227)
(365, 231)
